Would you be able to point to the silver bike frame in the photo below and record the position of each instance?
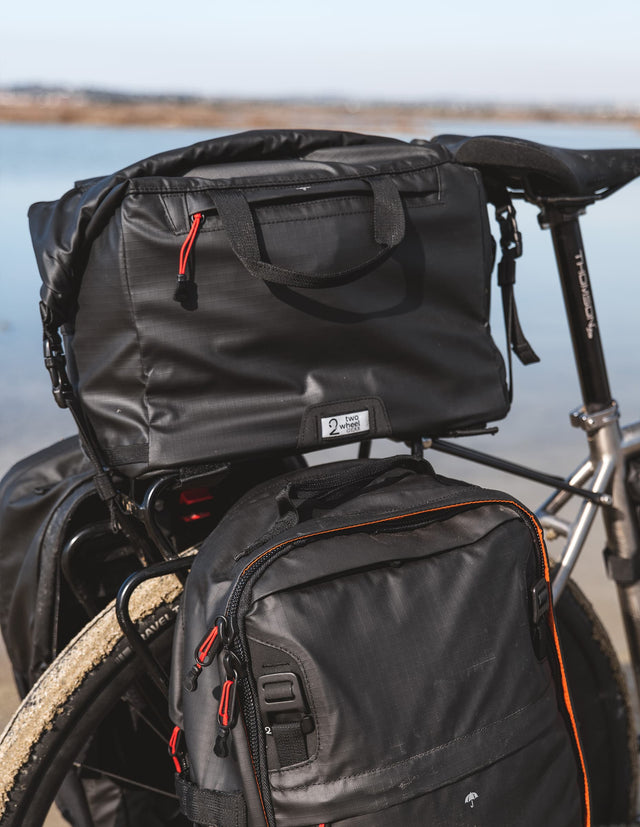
(603, 472)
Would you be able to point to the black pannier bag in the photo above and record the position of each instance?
(367, 643)
(331, 287)
(54, 529)
(60, 564)
(44, 500)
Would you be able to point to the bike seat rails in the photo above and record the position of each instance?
(547, 173)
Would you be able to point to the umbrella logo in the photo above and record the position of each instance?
(470, 799)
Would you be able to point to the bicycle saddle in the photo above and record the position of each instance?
(546, 171)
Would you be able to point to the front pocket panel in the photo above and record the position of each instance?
(412, 676)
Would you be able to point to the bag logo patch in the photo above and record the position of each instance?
(345, 424)
(470, 799)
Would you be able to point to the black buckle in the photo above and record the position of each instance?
(55, 363)
(510, 235)
(540, 600)
(280, 692)
(285, 717)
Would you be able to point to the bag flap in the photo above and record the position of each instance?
(62, 231)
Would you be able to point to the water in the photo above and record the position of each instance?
(42, 162)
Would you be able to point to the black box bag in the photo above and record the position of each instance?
(331, 287)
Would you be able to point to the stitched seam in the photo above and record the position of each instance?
(170, 220)
(435, 193)
(136, 326)
(298, 219)
(414, 201)
(138, 185)
(404, 761)
(388, 517)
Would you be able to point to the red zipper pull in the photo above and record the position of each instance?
(182, 290)
(227, 716)
(205, 654)
(175, 750)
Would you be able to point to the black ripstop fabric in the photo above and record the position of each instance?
(406, 650)
(337, 288)
(38, 499)
(45, 500)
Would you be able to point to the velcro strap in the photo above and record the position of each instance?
(519, 343)
(291, 744)
(211, 807)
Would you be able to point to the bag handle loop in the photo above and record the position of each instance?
(238, 221)
(325, 487)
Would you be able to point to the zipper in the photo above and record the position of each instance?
(182, 290)
(197, 219)
(204, 655)
(237, 693)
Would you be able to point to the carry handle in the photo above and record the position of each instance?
(238, 222)
(327, 487)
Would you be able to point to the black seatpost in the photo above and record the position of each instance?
(578, 299)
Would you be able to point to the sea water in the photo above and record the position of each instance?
(41, 162)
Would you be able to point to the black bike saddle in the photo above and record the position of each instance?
(543, 171)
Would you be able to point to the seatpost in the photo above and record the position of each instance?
(578, 299)
(600, 420)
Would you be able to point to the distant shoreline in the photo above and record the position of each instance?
(103, 109)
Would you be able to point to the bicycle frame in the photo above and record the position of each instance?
(600, 481)
(610, 445)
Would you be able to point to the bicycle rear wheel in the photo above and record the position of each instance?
(47, 746)
(602, 707)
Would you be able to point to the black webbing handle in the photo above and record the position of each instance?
(328, 487)
(203, 806)
(238, 221)
(325, 479)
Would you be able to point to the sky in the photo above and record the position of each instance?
(517, 51)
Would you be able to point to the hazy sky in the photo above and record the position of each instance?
(575, 51)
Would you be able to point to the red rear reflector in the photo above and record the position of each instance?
(195, 495)
(191, 518)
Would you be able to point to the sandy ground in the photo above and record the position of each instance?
(359, 116)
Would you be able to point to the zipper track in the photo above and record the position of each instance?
(414, 519)
(267, 556)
